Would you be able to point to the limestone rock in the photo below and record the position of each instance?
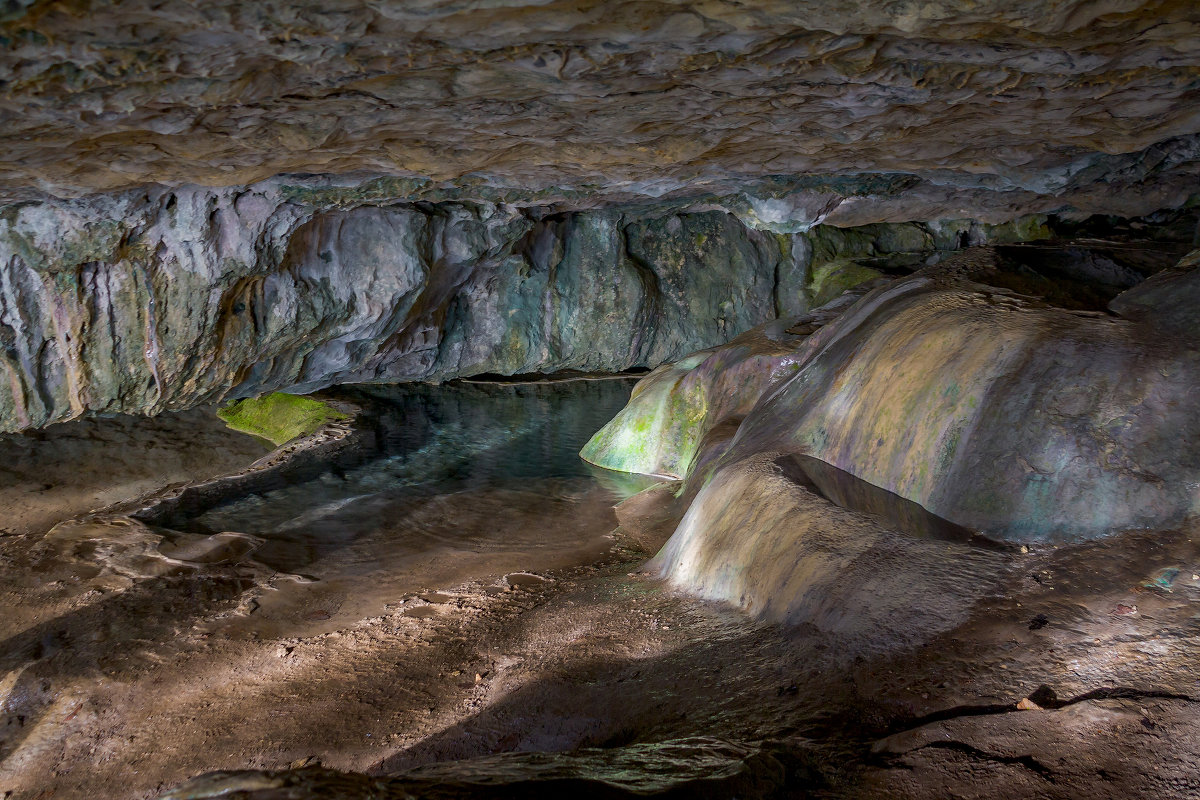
(175, 298)
(665, 426)
(1168, 302)
(998, 413)
(806, 111)
(754, 537)
(142, 301)
(1021, 421)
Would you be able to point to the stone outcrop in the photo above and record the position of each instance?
(164, 299)
(997, 412)
(839, 471)
(674, 410)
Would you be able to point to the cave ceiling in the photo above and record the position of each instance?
(828, 110)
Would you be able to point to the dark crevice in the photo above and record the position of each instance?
(1028, 762)
(554, 377)
(651, 309)
(851, 492)
(1044, 697)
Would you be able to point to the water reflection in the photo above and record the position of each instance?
(462, 466)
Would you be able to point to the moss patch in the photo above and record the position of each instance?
(834, 277)
(279, 417)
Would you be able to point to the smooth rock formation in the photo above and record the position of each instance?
(664, 427)
(810, 111)
(755, 537)
(1021, 421)
(1166, 302)
(995, 412)
(155, 300)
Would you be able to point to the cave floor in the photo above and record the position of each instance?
(529, 671)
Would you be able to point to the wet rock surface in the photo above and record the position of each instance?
(52, 475)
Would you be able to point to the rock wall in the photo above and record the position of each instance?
(169, 299)
(142, 301)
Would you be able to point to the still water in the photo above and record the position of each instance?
(442, 604)
(451, 483)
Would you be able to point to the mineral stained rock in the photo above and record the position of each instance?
(664, 427)
(755, 537)
(997, 412)
(175, 298)
(143, 301)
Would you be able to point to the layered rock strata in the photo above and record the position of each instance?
(815, 110)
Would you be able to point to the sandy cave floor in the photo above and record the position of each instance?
(124, 688)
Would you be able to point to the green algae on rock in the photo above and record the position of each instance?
(278, 417)
(834, 277)
(663, 428)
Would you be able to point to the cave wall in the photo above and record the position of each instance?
(210, 201)
(142, 301)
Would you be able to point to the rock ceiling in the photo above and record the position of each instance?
(821, 109)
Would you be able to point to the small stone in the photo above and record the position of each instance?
(1028, 705)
